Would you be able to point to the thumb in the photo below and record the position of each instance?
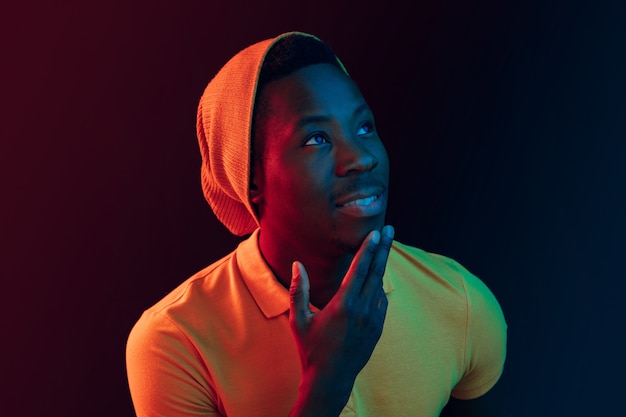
(299, 311)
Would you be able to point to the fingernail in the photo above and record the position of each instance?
(389, 231)
(376, 236)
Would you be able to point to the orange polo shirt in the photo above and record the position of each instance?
(220, 343)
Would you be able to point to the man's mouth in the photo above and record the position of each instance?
(361, 201)
(363, 204)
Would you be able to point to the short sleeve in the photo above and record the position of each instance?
(486, 338)
(165, 377)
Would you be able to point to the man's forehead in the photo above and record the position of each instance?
(315, 93)
(305, 120)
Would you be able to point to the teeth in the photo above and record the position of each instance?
(361, 202)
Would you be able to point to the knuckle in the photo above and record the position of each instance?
(384, 303)
(295, 291)
(353, 311)
(362, 269)
(386, 244)
(380, 269)
(349, 308)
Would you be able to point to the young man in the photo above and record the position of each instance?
(318, 312)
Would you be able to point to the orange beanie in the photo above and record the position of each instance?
(224, 128)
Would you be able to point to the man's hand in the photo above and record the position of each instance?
(336, 343)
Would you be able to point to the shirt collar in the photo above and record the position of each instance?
(268, 293)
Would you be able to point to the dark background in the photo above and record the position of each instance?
(505, 125)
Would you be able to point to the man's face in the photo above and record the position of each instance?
(322, 171)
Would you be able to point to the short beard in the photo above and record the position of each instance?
(345, 246)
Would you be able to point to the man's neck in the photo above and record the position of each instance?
(325, 272)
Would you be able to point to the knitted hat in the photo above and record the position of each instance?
(224, 129)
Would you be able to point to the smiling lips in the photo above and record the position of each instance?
(361, 201)
(366, 206)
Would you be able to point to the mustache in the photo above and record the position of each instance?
(359, 183)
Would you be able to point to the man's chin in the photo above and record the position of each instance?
(348, 247)
(351, 242)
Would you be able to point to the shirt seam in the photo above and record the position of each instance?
(467, 324)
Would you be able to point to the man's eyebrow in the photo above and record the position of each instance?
(320, 118)
(362, 108)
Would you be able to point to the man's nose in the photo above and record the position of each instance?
(353, 157)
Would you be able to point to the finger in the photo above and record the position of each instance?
(381, 311)
(352, 284)
(299, 311)
(373, 282)
(382, 302)
(381, 297)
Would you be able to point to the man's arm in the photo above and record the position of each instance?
(486, 340)
(494, 403)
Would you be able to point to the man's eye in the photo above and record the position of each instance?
(317, 139)
(366, 127)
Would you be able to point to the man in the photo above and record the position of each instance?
(369, 326)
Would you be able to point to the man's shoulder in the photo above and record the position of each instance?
(197, 285)
(422, 258)
(443, 273)
(430, 267)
